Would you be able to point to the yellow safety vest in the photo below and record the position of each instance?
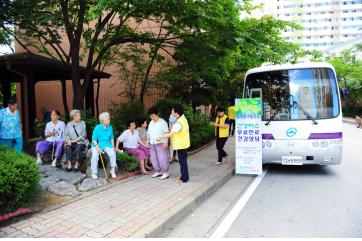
(231, 112)
(223, 132)
(181, 140)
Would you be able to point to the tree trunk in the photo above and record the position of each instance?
(79, 93)
(64, 96)
(147, 75)
(97, 97)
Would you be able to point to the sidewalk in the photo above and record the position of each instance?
(349, 120)
(140, 207)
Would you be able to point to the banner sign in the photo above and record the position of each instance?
(248, 149)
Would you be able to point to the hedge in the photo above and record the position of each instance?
(126, 162)
(19, 179)
(201, 132)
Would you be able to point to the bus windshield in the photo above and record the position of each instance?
(296, 94)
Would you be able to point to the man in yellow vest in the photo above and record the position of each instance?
(231, 115)
(180, 140)
(221, 131)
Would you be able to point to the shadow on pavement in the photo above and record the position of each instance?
(301, 170)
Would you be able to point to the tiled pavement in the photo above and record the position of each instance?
(125, 208)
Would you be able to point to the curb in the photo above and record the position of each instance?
(160, 225)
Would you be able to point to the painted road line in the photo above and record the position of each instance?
(234, 213)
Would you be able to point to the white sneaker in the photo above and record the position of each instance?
(156, 174)
(218, 163)
(39, 161)
(113, 173)
(164, 176)
(94, 176)
(54, 163)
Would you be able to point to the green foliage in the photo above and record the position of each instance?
(352, 111)
(201, 132)
(127, 162)
(349, 71)
(122, 113)
(164, 106)
(210, 43)
(19, 178)
(90, 121)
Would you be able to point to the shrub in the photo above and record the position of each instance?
(19, 178)
(201, 132)
(165, 105)
(90, 121)
(121, 113)
(352, 111)
(127, 162)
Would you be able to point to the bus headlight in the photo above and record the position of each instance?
(323, 144)
(335, 142)
(315, 144)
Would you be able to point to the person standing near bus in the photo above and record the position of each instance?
(231, 115)
(222, 125)
(10, 127)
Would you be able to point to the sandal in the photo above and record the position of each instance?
(144, 173)
(178, 181)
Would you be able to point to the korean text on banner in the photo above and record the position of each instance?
(248, 149)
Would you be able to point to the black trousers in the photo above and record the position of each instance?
(76, 149)
(232, 127)
(220, 143)
(182, 160)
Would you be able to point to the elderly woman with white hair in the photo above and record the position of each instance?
(103, 141)
(75, 137)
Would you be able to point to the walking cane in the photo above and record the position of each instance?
(104, 169)
(53, 147)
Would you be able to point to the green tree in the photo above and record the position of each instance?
(92, 29)
(349, 71)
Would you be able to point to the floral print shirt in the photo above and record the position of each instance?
(10, 127)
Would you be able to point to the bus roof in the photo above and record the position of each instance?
(289, 66)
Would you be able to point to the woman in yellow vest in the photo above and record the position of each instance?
(221, 132)
(180, 140)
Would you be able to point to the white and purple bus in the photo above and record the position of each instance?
(302, 117)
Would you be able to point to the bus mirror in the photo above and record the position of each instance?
(345, 95)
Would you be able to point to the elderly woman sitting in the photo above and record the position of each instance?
(75, 137)
(103, 141)
(54, 133)
(133, 144)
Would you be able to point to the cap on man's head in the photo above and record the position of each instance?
(12, 101)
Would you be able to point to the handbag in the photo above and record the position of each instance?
(86, 141)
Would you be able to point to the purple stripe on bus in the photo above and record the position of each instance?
(267, 137)
(332, 135)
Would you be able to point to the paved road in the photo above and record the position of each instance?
(307, 201)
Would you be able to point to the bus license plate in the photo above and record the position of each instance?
(292, 160)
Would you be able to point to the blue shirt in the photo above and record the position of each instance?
(103, 136)
(10, 127)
